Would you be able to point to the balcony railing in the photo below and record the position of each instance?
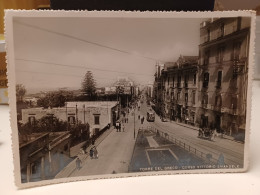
(238, 67)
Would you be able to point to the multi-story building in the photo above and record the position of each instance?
(223, 62)
(157, 90)
(179, 89)
(150, 89)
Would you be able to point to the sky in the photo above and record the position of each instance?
(52, 53)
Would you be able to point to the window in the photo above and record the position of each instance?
(173, 81)
(172, 95)
(168, 81)
(218, 101)
(208, 34)
(220, 55)
(71, 119)
(236, 50)
(234, 102)
(219, 79)
(33, 168)
(206, 57)
(186, 79)
(96, 119)
(186, 97)
(31, 120)
(179, 81)
(206, 80)
(204, 100)
(193, 97)
(178, 95)
(194, 79)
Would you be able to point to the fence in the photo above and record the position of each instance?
(205, 156)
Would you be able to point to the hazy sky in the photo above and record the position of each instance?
(56, 52)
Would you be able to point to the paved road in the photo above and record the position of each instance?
(233, 151)
(115, 153)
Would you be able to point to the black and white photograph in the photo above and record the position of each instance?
(117, 94)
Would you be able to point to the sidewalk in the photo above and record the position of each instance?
(114, 153)
(223, 136)
(68, 170)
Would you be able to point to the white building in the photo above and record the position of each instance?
(97, 114)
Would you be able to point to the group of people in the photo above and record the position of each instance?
(120, 126)
(93, 153)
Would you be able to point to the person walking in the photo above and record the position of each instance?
(78, 163)
(91, 153)
(93, 141)
(117, 126)
(142, 120)
(123, 127)
(95, 152)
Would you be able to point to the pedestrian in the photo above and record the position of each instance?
(93, 141)
(139, 117)
(123, 127)
(95, 152)
(78, 162)
(117, 126)
(91, 153)
(127, 119)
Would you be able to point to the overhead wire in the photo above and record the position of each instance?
(82, 67)
(87, 41)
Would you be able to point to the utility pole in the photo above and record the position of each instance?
(66, 104)
(84, 114)
(76, 114)
(134, 122)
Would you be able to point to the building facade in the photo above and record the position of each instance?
(223, 60)
(97, 114)
(180, 89)
(209, 91)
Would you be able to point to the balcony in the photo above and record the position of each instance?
(238, 67)
(179, 85)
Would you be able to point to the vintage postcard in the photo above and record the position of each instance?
(117, 94)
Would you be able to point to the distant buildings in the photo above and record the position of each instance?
(209, 90)
(178, 84)
(96, 114)
(150, 89)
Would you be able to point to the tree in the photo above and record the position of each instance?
(20, 92)
(55, 99)
(89, 85)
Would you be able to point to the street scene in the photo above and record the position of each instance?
(110, 99)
